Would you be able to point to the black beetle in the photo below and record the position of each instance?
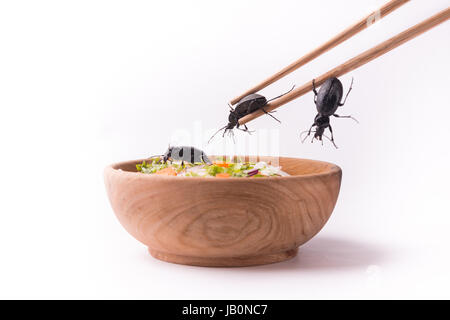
(327, 100)
(245, 106)
(185, 154)
(188, 154)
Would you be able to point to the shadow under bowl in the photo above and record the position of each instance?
(224, 222)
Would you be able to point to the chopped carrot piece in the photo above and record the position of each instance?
(222, 164)
(167, 172)
(222, 175)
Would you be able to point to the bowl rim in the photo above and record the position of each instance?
(332, 169)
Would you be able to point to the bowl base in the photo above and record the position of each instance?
(224, 261)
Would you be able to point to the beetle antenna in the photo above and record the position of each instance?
(216, 133)
(282, 94)
(350, 89)
(309, 133)
(301, 133)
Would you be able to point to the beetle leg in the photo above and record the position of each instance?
(245, 130)
(350, 89)
(268, 113)
(338, 116)
(282, 94)
(206, 159)
(332, 137)
(314, 90)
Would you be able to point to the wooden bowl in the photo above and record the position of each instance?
(224, 222)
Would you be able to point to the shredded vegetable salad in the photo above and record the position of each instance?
(218, 169)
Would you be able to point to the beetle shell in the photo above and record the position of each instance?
(186, 154)
(253, 96)
(249, 104)
(329, 96)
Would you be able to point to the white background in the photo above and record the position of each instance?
(87, 83)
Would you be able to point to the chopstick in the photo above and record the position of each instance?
(338, 39)
(355, 62)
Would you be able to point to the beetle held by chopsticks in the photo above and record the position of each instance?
(329, 79)
(245, 106)
(327, 100)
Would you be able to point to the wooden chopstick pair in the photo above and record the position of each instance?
(349, 65)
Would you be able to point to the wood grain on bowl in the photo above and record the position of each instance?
(224, 222)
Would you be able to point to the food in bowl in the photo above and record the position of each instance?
(224, 222)
(216, 169)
